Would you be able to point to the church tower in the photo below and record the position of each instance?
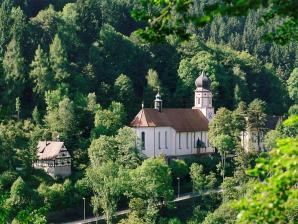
(203, 96)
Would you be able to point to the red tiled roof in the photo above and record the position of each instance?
(179, 119)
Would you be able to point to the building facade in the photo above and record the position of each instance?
(254, 140)
(53, 158)
(176, 132)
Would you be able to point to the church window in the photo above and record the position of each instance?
(187, 140)
(199, 100)
(179, 140)
(166, 140)
(194, 139)
(159, 140)
(143, 140)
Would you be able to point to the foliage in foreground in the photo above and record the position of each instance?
(274, 198)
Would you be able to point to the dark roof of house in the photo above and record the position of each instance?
(272, 121)
(179, 119)
(48, 149)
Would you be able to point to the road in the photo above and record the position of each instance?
(123, 212)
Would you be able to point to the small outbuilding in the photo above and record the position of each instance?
(53, 157)
(255, 140)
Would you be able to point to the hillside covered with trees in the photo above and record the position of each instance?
(77, 72)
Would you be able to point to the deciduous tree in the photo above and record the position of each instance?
(106, 180)
(62, 121)
(108, 121)
(151, 188)
(275, 198)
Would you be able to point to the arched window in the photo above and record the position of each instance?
(143, 140)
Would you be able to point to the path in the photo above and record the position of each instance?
(123, 212)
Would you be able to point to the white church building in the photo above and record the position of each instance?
(177, 132)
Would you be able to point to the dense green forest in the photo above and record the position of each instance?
(75, 70)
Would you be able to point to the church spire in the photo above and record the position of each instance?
(158, 102)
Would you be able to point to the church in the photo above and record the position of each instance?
(177, 132)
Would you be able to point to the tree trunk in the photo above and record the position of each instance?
(223, 163)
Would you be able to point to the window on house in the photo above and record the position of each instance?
(179, 140)
(143, 140)
(166, 140)
(159, 140)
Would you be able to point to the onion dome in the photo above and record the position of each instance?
(203, 81)
(158, 96)
(158, 102)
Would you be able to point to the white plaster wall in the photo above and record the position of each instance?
(186, 144)
(249, 140)
(152, 145)
(63, 171)
(153, 148)
(192, 142)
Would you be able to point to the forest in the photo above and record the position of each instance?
(76, 71)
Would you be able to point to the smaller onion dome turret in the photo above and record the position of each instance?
(203, 81)
(158, 102)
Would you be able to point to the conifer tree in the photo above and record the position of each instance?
(292, 83)
(256, 118)
(153, 86)
(18, 107)
(237, 95)
(124, 92)
(239, 121)
(36, 116)
(5, 21)
(18, 29)
(58, 60)
(40, 72)
(14, 69)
